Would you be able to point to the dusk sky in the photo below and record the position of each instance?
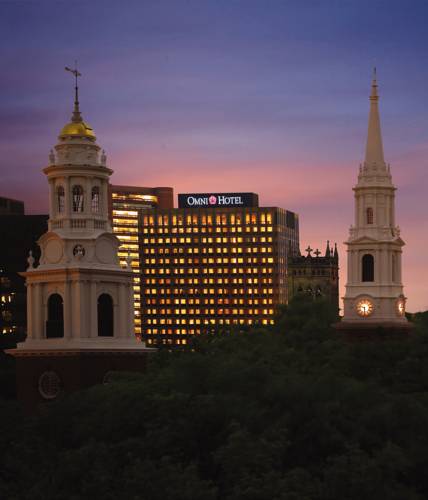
(269, 96)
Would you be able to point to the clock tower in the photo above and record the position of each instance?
(374, 289)
(80, 304)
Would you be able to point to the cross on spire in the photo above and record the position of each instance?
(309, 250)
(317, 252)
(77, 117)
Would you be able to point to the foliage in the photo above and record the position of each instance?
(288, 413)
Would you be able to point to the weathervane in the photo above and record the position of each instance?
(76, 113)
(74, 71)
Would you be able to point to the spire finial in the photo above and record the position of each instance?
(30, 260)
(373, 95)
(374, 147)
(327, 249)
(76, 117)
(128, 260)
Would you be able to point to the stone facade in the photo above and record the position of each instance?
(374, 289)
(79, 253)
(315, 274)
(79, 298)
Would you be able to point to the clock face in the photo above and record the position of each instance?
(401, 307)
(365, 307)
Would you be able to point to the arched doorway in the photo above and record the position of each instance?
(105, 315)
(55, 321)
(368, 267)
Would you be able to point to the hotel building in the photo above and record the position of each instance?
(126, 203)
(217, 262)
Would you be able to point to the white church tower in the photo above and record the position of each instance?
(374, 290)
(78, 297)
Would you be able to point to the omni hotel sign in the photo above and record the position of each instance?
(214, 200)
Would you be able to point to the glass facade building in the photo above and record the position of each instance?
(207, 269)
(127, 202)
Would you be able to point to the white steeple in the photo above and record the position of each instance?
(374, 146)
(78, 296)
(374, 290)
(374, 170)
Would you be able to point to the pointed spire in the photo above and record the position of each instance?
(336, 253)
(374, 148)
(327, 250)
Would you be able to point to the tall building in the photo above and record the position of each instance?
(21, 233)
(126, 203)
(218, 261)
(315, 274)
(374, 290)
(79, 298)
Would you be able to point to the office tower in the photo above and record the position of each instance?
(126, 203)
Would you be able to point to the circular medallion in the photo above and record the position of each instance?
(108, 377)
(365, 307)
(49, 385)
(53, 251)
(105, 251)
(79, 251)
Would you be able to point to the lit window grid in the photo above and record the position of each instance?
(125, 227)
(134, 199)
(125, 209)
(210, 317)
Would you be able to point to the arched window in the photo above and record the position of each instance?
(60, 197)
(95, 199)
(369, 213)
(55, 321)
(105, 315)
(77, 199)
(368, 268)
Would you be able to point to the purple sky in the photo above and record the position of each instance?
(268, 96)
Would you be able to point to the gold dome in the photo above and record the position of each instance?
(78, 128)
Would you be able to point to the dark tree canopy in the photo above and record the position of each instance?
(291, 412)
